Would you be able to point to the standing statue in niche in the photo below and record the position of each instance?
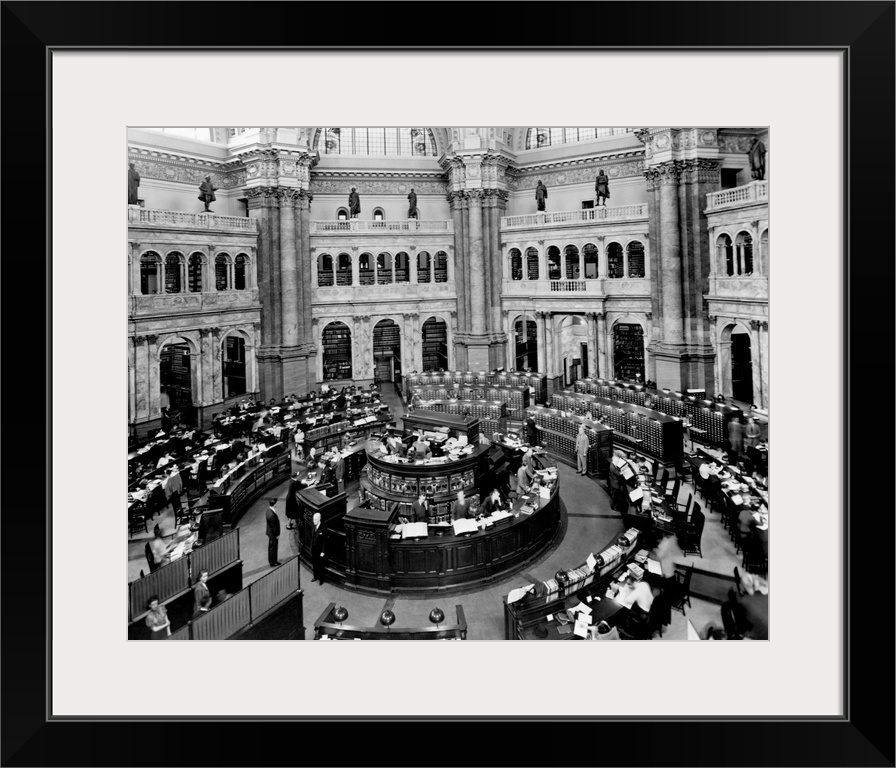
(133, 185)
(207, 193)
(541, 194)
(601, 187)
(354, 203)
(413, 213)
(757, 153)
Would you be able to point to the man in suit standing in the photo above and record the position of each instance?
(202, 598)
(420, 509)
(293, 511)
(462, 507)
(318, 549)
(339, 471)
(272, 531)
(582, 446)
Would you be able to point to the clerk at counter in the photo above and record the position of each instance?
(462, 507)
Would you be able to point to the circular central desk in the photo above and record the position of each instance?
(369, 557)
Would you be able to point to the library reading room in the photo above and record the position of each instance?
(448, 383)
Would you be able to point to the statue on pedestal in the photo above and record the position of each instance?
(133, 184)
(207, 193)
(757, 154)
(541, 194)
(354, 203)
(601, 187)
(413, 213)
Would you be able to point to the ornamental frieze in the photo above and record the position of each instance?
(374, 186)
(734, 143)
(180, 172)
(581, 175)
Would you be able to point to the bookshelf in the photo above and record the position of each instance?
(435, 345)
(492, 416)
(628, 350)
(336, 342)
(469, 380)
(521, 618)
(558, 433)
(643, 429)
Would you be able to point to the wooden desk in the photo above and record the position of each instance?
(236, 499)
(328, 627)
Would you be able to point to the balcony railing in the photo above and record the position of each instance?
(583, 216)
(181, 220)
(626, 286)
(569, 285)
(754, 192)
(399, 225)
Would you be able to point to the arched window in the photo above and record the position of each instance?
(222, 272)
(239, 272)
(406, 142)
(441, 267)
(590, 254)
(325, 270)
(635, 259)
(342, 214)
(194, 273)
(532, 263)
(615, 261)
(384, 268)
(234, 366)
(343, 269)
(173, 281)
(553, 263)
(573, 271)
(336, 342)
(744, 245)
(402, 268)
(365, 269)
(726, 254)
(551, 137)
(379, 214)
(150, 273)
(516, 264)
(763, 251)
(424, 267)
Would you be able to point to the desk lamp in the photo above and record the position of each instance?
(436, 616)
(387, 618)
(340, 614)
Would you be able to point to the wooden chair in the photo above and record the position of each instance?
(687, 507)
(690, 534)
(671, 494)
(682, 592)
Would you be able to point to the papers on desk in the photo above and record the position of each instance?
(581, 628)
(636, 495)
(412, 530)
(591, 561)
(653, 567)
(465, 525)
(618, 462)
(627, 472)
(737, 499)
(518, 594)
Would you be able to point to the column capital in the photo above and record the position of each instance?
(139, 339)
(315, 321)
(700, 170)
(288, 196)
(365, 318)
(304, 200)
(261, 197)
(152, 338)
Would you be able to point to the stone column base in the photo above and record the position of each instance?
(286, 372)
(680, 368)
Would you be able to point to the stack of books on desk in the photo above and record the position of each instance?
(636, 571)
(641, 556)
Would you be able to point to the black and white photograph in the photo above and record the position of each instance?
(448, 383)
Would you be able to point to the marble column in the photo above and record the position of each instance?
(763, 365)
(132, 380)
(457, 213)
(670, 255)
(306, 292)
(603, 368)
(154, 395)
(289, 269)
(542, 342)
(592, 343)
(412, 264)
(477, 266)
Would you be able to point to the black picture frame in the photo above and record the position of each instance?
(31, 31)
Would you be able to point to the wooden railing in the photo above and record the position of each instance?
(182, 220)
(569, 285)
(273, 587)
(583, 216)
(165, 582)
(176, 577)
(754, 192)
(216, 554)
(224, 619)
(245, 607)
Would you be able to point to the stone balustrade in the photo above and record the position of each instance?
(629, 286)
(181, 220)
(741, 287)
(375, 227)
(754, 192)
(567, 218)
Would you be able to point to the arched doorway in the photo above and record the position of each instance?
(435, 345)
(573, 345)
(525, 334)
(234, 366)
(386, 351)
(176, 383)
(736, 362)
(628, 351)
(336, 344)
